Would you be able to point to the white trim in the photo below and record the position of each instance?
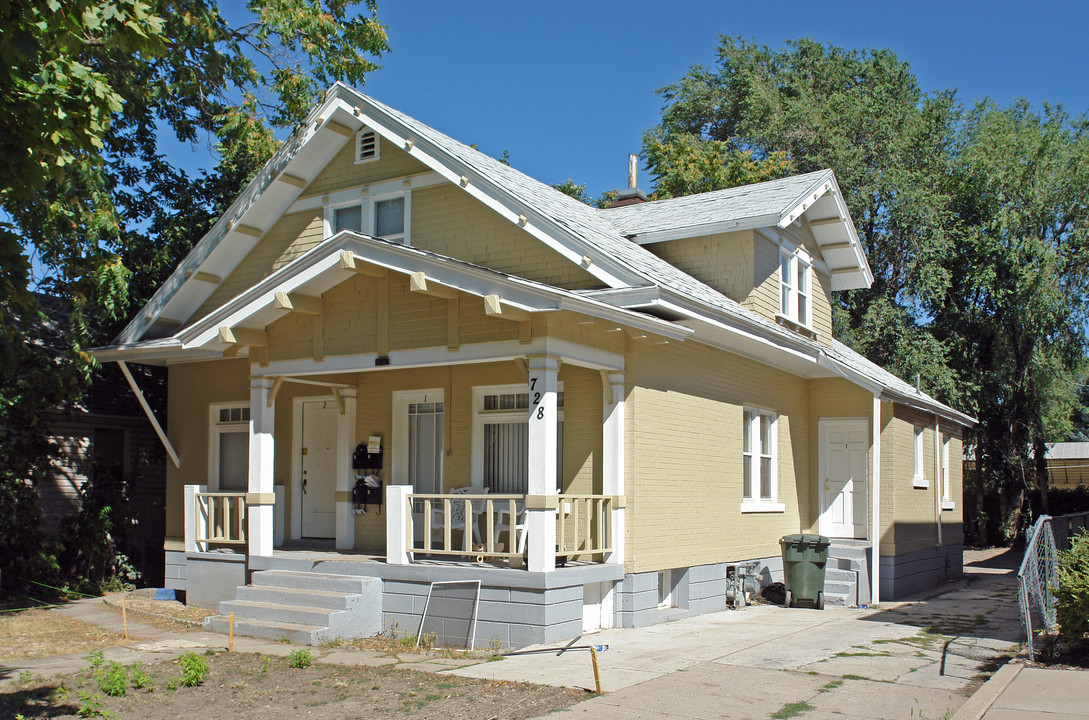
(482, 418)
(918, 478)
(799, 272)
(756, 502)
(399, 457)
(754, 506)
(356, 192)
(823, 501)
(946, 484)
(296, 458)
(215, 430)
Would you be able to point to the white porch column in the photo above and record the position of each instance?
(875, 515)
(196, 522)
(260, 502)
(541, 500)
(612, 457)
(345, 521)
(398, 524)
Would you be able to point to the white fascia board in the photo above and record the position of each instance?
(870, 385)
(496, 351)
(737, 327)
(155, 352)
(805, 200)
(211, 240)
(497, 199)
(324, 259)
(687, 231)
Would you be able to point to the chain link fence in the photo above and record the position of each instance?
(1038, 572)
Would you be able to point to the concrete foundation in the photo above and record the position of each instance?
(212, 577)
(911, 573)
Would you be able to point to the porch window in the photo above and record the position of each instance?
(425, 436)
(759, 461)
(501, 439)
(229, 448)
(794, 285)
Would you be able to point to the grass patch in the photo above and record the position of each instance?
(830, 686)
(793, 709)
(40, 633)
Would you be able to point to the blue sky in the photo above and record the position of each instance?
(567, 88)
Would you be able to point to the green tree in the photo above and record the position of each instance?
(91, 89)
(973, 223)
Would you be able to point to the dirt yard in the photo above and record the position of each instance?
(248, 685)
(40, 633)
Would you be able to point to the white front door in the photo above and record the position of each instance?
(418, 446)
(318, 454)
(844, 448)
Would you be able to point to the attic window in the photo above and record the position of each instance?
(366, 145)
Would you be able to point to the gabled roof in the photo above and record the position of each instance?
(814, 196)
(595, 239)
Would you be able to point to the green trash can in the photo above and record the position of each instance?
(804, 559)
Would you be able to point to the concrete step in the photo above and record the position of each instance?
(310, 581)
(294, 596)
(298, 614)
(835, 575)
(838, 599)
(267, 629)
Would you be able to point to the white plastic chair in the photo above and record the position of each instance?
(502, 524)
(457, 512)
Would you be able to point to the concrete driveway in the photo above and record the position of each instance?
(920, 659)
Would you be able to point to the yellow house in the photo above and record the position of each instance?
(400, 369)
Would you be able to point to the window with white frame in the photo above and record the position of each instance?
(229, 447)
(759, 491)
(947, 498)
(385, 217)
(501, 438)
(794, 285)
(919, 478)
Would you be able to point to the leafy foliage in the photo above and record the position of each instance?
(92, 89)
(194, 669)
(301, 658)
(1072, 595)
(974, 222)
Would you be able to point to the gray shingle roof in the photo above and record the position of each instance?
(736, 204)
(605, 230)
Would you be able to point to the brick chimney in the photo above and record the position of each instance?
(632, 195)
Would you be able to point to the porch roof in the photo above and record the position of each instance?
(348, 253)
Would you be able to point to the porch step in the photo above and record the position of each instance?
(303, 607)
(846, 576)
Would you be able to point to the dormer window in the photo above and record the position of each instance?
(794, 285)
(366, 146)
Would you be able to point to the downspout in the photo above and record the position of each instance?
(150, 415)
(875, 515)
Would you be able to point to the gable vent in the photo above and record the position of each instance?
(366, 145)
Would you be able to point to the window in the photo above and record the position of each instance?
(366, 146)
(229, 448)
(947, 499)
(389, 218)
(759, 461)
(501, 439)
(385, 216)
(919, 479)
(794, 285)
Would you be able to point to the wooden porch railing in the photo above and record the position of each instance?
(486, 526)
(584, 525)
(221, 518)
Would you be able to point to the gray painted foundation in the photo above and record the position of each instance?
(911, 573)
(519, 608)
(213, 576)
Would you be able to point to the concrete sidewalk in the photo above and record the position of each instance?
(1017, 692)
(920, 659)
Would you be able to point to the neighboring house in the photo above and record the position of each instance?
(104, 438)
(651, 394)
(1068, 465)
